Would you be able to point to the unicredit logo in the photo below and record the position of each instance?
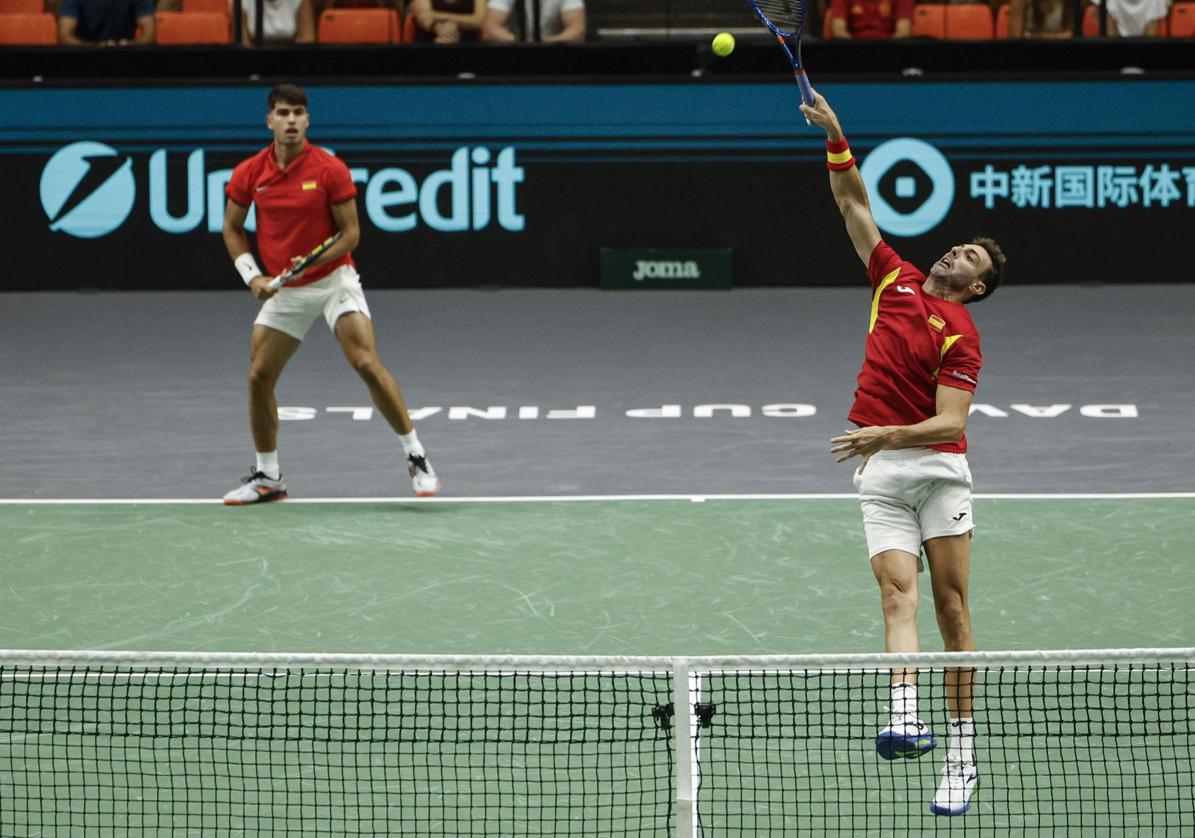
(87, 190)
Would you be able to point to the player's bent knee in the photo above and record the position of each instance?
(898, 602)
(954, 617)
(368, 366)
(262, 378)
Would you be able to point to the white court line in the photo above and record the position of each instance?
(697, 498)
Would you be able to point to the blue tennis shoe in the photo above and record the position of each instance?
(906, 737)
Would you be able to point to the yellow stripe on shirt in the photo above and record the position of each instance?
(946, 344)
(875, 298)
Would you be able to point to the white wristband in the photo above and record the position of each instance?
(246, 266)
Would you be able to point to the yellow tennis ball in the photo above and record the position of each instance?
(723, 44)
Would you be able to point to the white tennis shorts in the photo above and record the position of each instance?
(912, 495)
(293, 310)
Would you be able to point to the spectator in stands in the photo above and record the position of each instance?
(285, 21)
(1041, 19)
(560, 21)
(105, 23)
(871, 19)
(448, 21)
(1135, 18)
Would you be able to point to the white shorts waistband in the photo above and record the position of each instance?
(914, 453)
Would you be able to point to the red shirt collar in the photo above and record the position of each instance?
(274, 157)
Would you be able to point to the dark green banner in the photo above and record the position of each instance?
(654, 268)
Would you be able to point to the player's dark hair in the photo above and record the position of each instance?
(290, 94)
(994, 274)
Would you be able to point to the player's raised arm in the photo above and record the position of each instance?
(845, 181)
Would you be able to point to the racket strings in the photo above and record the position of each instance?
(788, 16)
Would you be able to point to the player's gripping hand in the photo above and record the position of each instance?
(822, 115)
(260, 287)
(295, 261)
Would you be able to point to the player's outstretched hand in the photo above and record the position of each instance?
(822, 115)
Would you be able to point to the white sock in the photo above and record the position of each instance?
(267, 464)
(904, 700)
(962, 739)
(410, 444)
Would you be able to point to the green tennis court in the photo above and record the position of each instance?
(723, 576)
(258, 751)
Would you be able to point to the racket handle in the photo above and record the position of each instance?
(277, 281)
(806, 89)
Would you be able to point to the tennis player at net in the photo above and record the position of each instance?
(304, 195)
(920, 370)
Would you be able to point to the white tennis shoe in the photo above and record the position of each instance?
(423, 476)
(257, 488)
(959, 780)
(905, 737)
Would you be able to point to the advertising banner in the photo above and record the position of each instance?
(666, 269)
(519, 184)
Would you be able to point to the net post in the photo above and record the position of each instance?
(683, 724)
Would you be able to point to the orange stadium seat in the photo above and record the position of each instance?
(22, 7)
(929, 20)
(1002, 21)
(216, 6)
(179, 28)
(1182, 20)
(969, 22)
(359, 26)
(39, 30)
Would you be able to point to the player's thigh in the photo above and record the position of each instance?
(354, 333)
(890, 521)
(896, 568)
(270, 350)
(346, 297)
(949, 565)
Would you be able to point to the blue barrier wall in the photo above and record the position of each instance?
(1080, 181)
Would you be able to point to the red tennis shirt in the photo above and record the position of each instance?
(294, 206)
(915, 342)
(871, 18)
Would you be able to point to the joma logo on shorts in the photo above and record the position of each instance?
(666, 270)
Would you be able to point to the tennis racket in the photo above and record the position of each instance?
(786, 20)
(317, 251)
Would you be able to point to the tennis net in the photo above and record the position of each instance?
(111, 743)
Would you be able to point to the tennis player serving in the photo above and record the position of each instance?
(307, 223)
(920, 370)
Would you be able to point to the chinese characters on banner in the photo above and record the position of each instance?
(1086, 186)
